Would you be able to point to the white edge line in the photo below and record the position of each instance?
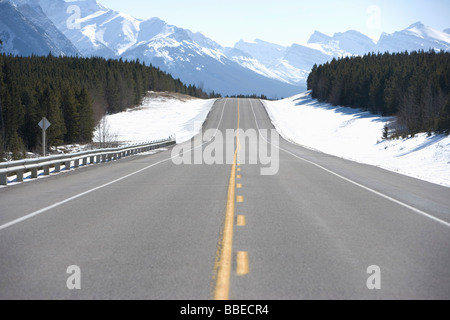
(445, 223)
(31, 215)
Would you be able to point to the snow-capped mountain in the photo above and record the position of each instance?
(192, 57)
(88, 28)
(92, 28)
(290, 64)
(415, 37)
(342, 44)
(293, 64)
(26, 30)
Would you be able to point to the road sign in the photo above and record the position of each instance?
(44, 124)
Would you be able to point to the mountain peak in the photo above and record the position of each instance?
(318, 37)
(418, 25)
(242, 41)
(416, 37)
(349, 33)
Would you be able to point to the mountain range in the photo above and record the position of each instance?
(87, 28)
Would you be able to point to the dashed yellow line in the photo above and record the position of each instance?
(242, 263)
(239, 199)
(238, 186)
(241, 221)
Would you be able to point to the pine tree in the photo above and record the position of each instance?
(86, 114)
(16, 147)
(70, 107)
(51, 103)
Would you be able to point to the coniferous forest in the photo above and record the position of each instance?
(73, 94)
(414, 87)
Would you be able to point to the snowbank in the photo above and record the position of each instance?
(356, 135)
(159, 117)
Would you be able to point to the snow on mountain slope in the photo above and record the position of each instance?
(26, 34)
(33, 12)
(278, 69)
(98, 31)
(415, 37)
(354, 42)
(304, 58)
(356, 135)
(342, 43)
(263, 51)
(291, 64)
(192, 57)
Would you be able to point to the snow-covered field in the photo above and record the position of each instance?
(159, 117)
(357, 135)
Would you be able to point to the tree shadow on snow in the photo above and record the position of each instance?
(356, 113)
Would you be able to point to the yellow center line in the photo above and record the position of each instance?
(223, 267)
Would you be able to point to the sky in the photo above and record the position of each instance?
(287, 21)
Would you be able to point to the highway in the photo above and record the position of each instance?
(146, 227)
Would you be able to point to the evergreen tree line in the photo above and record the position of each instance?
(248, 96)
(73, 94)
(414, 87)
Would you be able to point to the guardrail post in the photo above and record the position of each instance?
(77, 163)
(46, 170)
(57, 167)
(3, 179)
(85, 161)
(19, 174)
(34, 173)
(103, 157)
(67, 165)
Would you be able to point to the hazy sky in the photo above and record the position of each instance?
(287, 21)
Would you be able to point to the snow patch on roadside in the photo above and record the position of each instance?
(159, 118)
(357, 135)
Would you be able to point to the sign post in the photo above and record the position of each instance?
(44, 124)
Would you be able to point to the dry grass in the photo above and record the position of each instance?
(169, 95)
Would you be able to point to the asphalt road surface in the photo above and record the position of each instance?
(148, 228)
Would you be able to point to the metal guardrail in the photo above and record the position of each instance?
(79, 159)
